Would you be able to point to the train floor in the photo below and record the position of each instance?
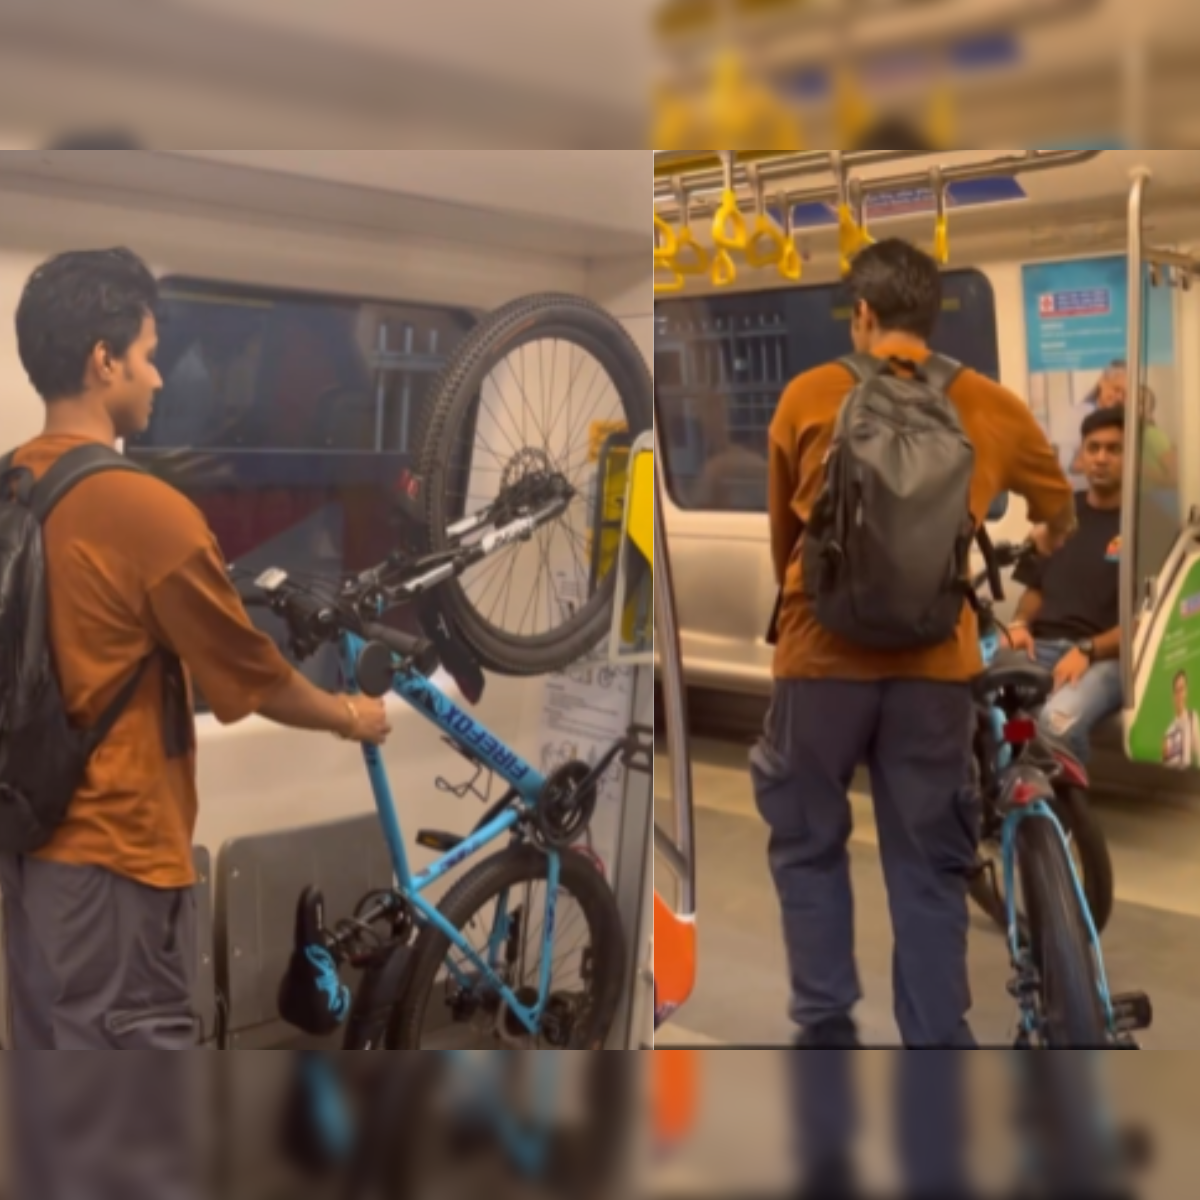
(1152, 945)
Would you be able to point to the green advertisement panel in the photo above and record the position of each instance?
(1166, 727)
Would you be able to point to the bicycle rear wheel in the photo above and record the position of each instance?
(529, 396)
(1072, 1015)
(448, 1004)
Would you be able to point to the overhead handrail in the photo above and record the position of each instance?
(729, 226)
(785, 169)
(691, 258)
(791, 266)
(766, 244)
(1131, 489)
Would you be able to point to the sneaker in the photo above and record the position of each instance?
(838, 1033)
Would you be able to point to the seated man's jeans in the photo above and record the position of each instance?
(1073, 713)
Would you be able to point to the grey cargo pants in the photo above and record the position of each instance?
(916, 738)
(98, 962)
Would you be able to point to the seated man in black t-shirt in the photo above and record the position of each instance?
(1069, 619)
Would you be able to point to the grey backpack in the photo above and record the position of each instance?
(886, 552)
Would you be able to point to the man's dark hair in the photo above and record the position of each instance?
(75, 302)
(900, 284)
(1182, 676)
(1103, 418)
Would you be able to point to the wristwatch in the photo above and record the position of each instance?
(1088, 649)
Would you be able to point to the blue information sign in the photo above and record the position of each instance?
(1076, 316)
(915, 202)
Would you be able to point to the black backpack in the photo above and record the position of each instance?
(43, 758)
(886, 553)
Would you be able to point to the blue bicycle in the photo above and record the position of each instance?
(503, 499)
(1060, 984)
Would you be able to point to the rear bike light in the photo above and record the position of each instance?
(1020, 732)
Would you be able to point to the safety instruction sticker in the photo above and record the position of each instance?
(585, 709)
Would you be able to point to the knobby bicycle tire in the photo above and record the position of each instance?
(1074, 810)
(457, 388)
(510, 869)
(1073, 1014)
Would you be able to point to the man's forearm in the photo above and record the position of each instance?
(1028, 608)
(298, 704)
(1066, 523)
(1108, 646)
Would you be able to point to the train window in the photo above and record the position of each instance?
(287, 418)
(721, 363)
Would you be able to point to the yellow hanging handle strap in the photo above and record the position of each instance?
(729, 228)
(852, 233)
(790, 265)
(691, 258)
(941, 229)
(766, 245)
(666, 276)
(666, 242)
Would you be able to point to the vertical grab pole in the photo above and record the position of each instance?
(667, 645)
(1131, 494)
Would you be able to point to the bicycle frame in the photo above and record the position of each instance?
(426, 698)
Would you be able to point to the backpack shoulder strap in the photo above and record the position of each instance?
(71, 470)
(863, 366)
(941, 372)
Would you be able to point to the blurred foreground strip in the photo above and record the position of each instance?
(260, 1125)
(923, 1123)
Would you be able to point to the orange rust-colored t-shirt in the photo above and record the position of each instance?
(1012, 454)
(131, 565)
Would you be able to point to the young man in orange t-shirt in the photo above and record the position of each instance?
(101, 923)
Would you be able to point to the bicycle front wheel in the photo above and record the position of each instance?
(531, 399)
(1072, 1013)
(500, 909)
(1089, 849)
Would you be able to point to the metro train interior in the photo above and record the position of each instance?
(1003, 223)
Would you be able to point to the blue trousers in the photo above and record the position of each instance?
(916, 738)
(1074, 713)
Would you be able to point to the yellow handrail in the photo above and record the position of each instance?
(700, 260)
(729, 228)
(766, 244)
(666, 242)
(941, 228)
(790, 264)
(852, 233)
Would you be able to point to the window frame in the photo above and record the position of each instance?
(835, 291)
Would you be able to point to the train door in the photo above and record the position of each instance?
(1160, 582)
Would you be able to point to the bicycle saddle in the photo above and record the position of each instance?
(1014, 670)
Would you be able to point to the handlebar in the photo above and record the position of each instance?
(313, 621)
(1000, 557)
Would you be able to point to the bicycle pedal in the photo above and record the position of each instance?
(443, 843)
(1132, 1013)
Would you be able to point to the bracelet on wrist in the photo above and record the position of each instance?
(352, 709)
